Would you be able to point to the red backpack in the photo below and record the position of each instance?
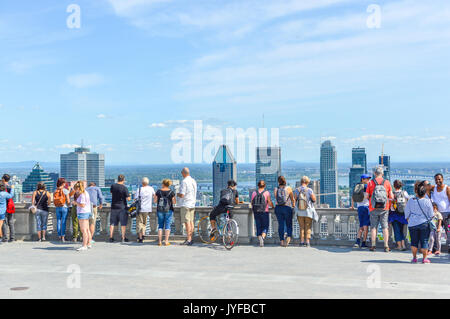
(10, 208)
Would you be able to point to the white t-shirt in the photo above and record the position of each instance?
(188, 188)
(146, 193)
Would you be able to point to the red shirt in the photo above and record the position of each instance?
(371, 188)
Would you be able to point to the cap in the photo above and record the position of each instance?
(364, 176)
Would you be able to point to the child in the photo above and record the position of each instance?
(435, 235)
(363, 211)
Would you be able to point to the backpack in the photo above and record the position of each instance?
(10, 208)
(400, 201)
(164, 203)
(358, 193)
(259, 202)
(226, 197)
(379, 195)
(302, 199)
(59, 198)
(282, 198)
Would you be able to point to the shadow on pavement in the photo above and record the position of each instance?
(56, 248)
(386, 261)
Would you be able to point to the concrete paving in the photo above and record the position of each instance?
(131, 270)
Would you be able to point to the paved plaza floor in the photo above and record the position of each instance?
(131, 270)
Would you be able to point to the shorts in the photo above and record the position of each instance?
(141, 222)
(420, 234)
(2, 216)
(378, 217)
(165, 220)
(218, 210)
(363, 216)
(187, 214)
(84, 216)
(94, 216)
(118, 215)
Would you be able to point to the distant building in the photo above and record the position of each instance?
(328, 174)
(36, 176)
(109, 182)
(359, 157)
(83, 165)
(408, 186)
(54, 177)
(224, 168)
(268, 166)
(315, 186)
(385, 161)
(355, 177)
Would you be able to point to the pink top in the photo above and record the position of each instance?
(266, 195)
(84, 199)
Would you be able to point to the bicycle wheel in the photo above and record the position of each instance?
(230, 234)
(204, 231)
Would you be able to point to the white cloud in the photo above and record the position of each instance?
(287, 127)
(67, 146)
(85, 80)
(157, 125)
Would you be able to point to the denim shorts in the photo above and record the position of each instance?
(3, 216)
(165, 220)
(84, 216)
(363, 216)
(420, 234)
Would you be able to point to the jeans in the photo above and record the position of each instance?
(420, 234)
(262, 223)
(9, 222)
(76, 232)
(398, 231)
(165, 220)
(284, 217)
(61, 220)
(41, 220)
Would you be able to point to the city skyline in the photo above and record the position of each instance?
(127, 78)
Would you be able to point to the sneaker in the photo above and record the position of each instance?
(213, 233)
(372, 248)
(43, 239)
(82, 248)
(307, 245)
(387, 249)
(261, 241)
(89, 246)
(185, 242)
(39, 240)
(140, 241)
(111, 240)
(364, 245)
(426, 261)
(4, 240)
(414, 261)
(302, 244)
(11, 240)
(357, 243)
(74, 240)
(125, 240)
(189, 243)
(92, 241)
(63, 240)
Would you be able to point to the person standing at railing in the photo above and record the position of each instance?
(361, 198)
(10, 211)
(260, 205)
(145, 194)
(97, 200)
(188, 198)
(42, 200)
(119, 204)
(84, 211)
(284, 210)
(61, 200)
(165, 199)
(441, 196)
(380, 196)
(305, 199)
(4, 197)
(397, 214)
(419, 212)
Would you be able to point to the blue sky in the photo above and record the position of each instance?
(138, 69)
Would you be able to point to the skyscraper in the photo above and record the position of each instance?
(385, 161)
(83, 165)
(268, 166)
(355, 177)
(224, 169)
(359, 157)
(36, 176)
(328, 174)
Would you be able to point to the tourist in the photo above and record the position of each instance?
(145, 195)
(397, 214)
(41, 198)
(10, 211)
(435, 235)
(228, 197)
(165, 199)
(76, 232)
(188, 197)
(83, 204)
(418, 212)
(361, 198)
(61, 199)
(305, 199)
(284, 210)
(260, 205)
(120, 196)
(441, 196)
(97, 200)
(4, 197)
(380, 195)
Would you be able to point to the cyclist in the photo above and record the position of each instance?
(227, 197)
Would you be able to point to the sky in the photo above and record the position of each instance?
(136, 74)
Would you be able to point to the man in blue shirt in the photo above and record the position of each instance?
(97, 201)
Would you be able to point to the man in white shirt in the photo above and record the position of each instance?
(188, 196)
(145, 194)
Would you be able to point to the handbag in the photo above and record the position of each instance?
(430, 223)
(33, 208)
(135, 208)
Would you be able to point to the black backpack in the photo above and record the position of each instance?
(164, 202)
(259, 202)
(226, 197)
(358, 193)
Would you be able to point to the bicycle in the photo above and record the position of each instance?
(227, 228)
